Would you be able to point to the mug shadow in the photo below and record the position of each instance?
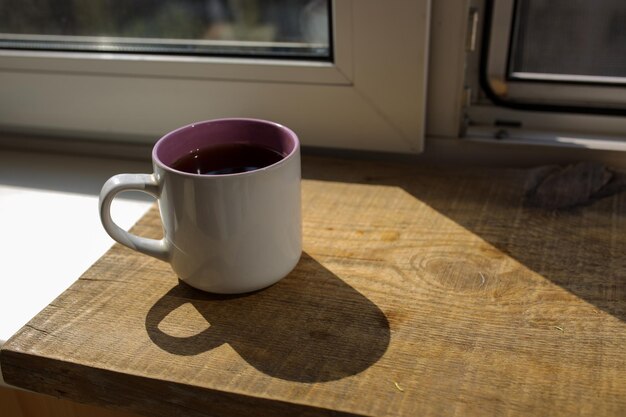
(309, 327)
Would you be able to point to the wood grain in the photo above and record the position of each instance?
(423, 291)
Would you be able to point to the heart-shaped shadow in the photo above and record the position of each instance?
(309, 327)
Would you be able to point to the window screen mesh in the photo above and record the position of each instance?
(569, 37)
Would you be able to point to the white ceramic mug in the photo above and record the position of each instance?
(224, 234)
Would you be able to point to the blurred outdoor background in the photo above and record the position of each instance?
(38, 24)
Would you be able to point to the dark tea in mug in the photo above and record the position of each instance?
(227, 158)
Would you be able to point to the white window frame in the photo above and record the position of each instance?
(488, 122)
(527, 89)
(372, 97)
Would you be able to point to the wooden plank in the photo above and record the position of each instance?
(422, 291)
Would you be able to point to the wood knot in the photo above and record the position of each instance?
(459, 272)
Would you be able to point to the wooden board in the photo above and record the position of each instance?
(421, 292)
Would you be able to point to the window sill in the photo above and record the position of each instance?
(50, 227)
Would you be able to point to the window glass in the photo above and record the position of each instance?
(267, 28)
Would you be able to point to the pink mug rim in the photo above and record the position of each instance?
(289, 136)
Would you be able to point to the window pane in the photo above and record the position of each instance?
(572, 40)
(268, 28)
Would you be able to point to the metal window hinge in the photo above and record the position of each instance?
(472, 29)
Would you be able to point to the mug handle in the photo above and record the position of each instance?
(146, 183)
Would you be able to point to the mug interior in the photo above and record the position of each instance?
(173, 146)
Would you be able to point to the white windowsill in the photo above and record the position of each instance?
(51, 232)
